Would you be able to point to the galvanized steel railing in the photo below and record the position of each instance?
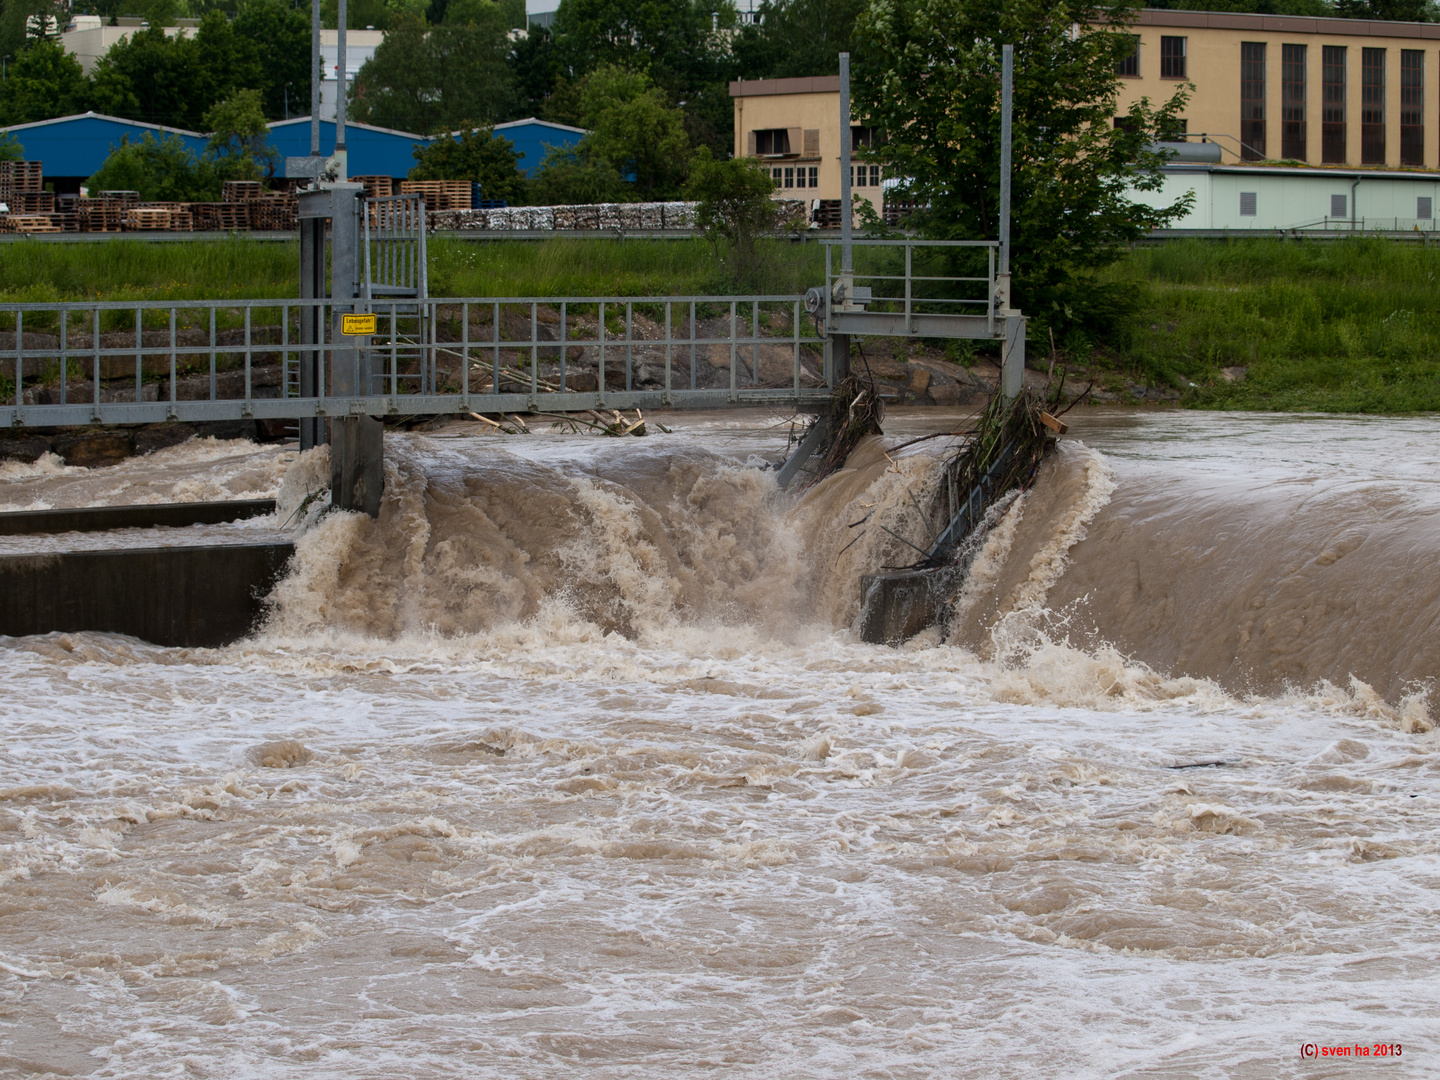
(70, 364)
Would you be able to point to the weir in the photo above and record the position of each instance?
(364, 342)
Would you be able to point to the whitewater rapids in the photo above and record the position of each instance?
(571, 765)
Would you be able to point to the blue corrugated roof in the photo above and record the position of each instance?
(371, 151)
(531, 136)
(78, 145)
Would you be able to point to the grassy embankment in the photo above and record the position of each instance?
(1334, 326)
(1344, 326)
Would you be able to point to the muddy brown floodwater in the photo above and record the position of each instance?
(570, 765)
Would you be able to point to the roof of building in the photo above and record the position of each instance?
(1342, 172)
(371, 150)
(1285, 24)
(531, 121)
(78, 145)
(816, 84)
(531, 136)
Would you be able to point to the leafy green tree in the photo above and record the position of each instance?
(161, 170)
(1403, 10)
(577, 177)
(797, 38)
(153, 78)
(635, 130)
(479, 156)
(43, 81)
(239, 140)
(10, 148)
(279, 36)
(735, 206)
(427, 80)
(542, 86)
(683, 46)
(928, 75)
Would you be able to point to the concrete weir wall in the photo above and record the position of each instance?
(175, 596)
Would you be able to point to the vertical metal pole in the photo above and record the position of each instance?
(316, 75)
(846, 266)
(1007, 76)
(1012, 362)
(342, 16)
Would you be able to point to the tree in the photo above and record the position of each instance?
(928, 75)
(239, 140)
(734, 208)
(427, 80)
(577, 176)
(797, 38)
(161, 170)
(635, 130)
(279, 34)
(157, 79)
(479, 156)
(10, 148)
(683, 46)
(44, 81)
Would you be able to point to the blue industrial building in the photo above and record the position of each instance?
(532, 138)
(74, 147)
(370, 151)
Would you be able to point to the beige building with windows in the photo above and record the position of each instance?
(1343, 93)
(793, 126)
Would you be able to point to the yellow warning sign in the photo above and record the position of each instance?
(358, 325)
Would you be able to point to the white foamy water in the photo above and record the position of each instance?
(588, 776)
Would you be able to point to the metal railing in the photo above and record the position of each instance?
(146, 362)
(914, 293)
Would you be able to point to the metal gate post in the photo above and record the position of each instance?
(312, 287)
(839, 358)
(1012, 362)
(357, 475)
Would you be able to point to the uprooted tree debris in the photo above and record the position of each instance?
(1000, 453)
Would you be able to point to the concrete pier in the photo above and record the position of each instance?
(174, 596)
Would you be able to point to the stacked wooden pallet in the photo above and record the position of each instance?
(31, 202)
(147, 219)
(275, 212)
(221, 216)
(376, 187)
(28, 223)
(100, 215)
(439, 194)
(241, 190)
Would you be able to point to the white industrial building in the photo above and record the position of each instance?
(1240, 198)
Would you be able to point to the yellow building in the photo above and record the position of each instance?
(1344, 92)
(1339, 92)
(793, 125)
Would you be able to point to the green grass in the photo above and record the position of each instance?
(1344, 326)
(1347, 326)
(39, 271)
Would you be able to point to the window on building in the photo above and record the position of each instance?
(777, 175)
(812, 142)
(1172, 58)
(1412, 107)
(862, 138)
(772, 141)
(1338, 204)
(814, 176)
(1247, 203)
(874, 175)
(1372, 106)
(1292, 102)
(1423, 207)
(789, 178)
(1332, 105)
(1129, 65)
(1252, 100)
(857, 176)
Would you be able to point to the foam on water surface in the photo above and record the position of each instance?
(654, 811)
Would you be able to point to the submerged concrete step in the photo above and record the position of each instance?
(145, 516)
(173, 596)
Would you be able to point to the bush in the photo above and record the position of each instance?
(161, 170)
(479, 156)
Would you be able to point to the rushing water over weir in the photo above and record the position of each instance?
(571, 763)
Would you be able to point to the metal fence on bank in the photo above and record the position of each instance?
(146, 362)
